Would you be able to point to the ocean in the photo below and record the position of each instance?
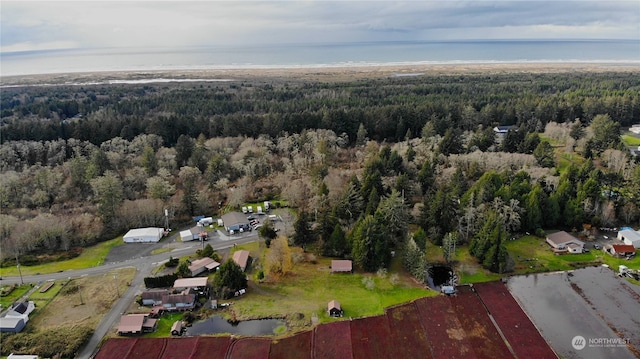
(320, 55)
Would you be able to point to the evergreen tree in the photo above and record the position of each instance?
(351, 203)
(392, 213)
(372, 202)
(302, 227)
(451, 142)
(229, 279)
(149, 161)
(606, 133)
(215, 169)
(184, 148)
(370, 248)
(420, 238)
(338, 242)
(410, 155)
(551, 213)
(98, 164)
(531, 141)
(414, 260)
(449, 243)
(189, 177)
(109, 195)
(183, 270)
(544, 154)
(361, 136)
(534, 206)
(426, 177)
(199, 155)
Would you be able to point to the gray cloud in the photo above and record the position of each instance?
(27, 24)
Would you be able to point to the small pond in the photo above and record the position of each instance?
(440, 275)
(219, 325)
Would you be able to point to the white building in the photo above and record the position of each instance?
(143, 235)
(630, 237)
(564, 242)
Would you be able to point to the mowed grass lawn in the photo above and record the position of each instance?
(164, 325)
(532, 254)
(630, 140)
(90, 257)
(310, 287)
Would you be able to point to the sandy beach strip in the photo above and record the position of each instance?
(323, 74)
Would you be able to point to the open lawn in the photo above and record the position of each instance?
(309, 288)
(564, 160)
(164, 325)
(42, 299)
(467, 267)
(469, 270)
(532, 254)
(630, 140)
(15, 294)
(90, 257)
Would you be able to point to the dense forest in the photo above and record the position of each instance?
(369, 165)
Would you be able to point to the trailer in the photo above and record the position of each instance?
(206, 221)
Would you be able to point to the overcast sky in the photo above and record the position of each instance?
(30, 25)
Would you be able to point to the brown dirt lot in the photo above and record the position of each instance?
(83, 301)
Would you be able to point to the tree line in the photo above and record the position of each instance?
(389, 109)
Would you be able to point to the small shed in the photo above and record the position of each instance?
(143, 235)
(341, 266)
(334, 309)
(188, 235)
(176, 328)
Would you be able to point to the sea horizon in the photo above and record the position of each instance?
(321, 55)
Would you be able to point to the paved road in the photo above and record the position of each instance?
(144, 266)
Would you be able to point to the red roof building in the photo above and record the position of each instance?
(341, 266)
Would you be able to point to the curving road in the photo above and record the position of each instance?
(144, 265)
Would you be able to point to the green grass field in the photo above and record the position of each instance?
(310, 287)
(164, 325)
(631, 140)
(15, 294)
(90, 257)
(469, 270)
(532, 254)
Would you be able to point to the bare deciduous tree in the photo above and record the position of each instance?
(278, 260)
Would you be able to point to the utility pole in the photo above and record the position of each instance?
(19, 271)
(115, 278)
(166, 219)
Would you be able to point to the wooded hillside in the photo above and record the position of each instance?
(362, 162)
